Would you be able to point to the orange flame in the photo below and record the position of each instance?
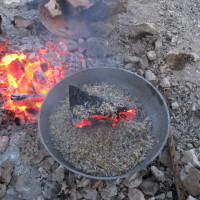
(127, 115)
(18, 74)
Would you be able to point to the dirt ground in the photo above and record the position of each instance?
(178, 28)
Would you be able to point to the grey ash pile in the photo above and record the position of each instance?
(103, 150)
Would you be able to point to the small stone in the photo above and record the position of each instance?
(169, 194)
(175, 106)
(190, 146)
(128, 66)
(151, 55)
(109, 191)
(191, 198)
(175, 83)
(176, 59)
(27, 47)
(96, 47)
(158, 44)
(47, 163)
(133, 181)
(71, 45)
(190, 156)
(3, 143)
(58, 174)
(163, 69)
(131, 59)
(6, 173)
(190, 178)
(97, 184)
(73, 195)
(20, 22)
(135, 194)
(143, 29)
(152, 198)
(84, 182)
(160, 196)
(21, 184)
(2, 189)
(89, 194)
(140, 72)
(149, 75)
(80, 40)
(157, 173)
(41, 197)
(121, 196)
(144, 62)
(8, 2)
(165, 82)
(149, 187)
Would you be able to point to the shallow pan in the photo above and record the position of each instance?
(152, 102)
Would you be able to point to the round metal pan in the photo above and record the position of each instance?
(152, 102)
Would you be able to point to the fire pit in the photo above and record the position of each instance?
(152, 103)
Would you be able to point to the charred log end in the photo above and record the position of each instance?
(65, 18)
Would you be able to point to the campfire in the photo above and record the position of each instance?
(25, 80)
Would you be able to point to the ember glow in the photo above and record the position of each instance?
(126, 115)
(33, 74)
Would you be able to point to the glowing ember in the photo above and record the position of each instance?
(19, 74)
(127, 115)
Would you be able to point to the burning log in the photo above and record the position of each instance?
(69, 18)
(27, 96)
(88, 110)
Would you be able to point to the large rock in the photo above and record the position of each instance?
(190, 156)
(149, 187)
(176, 59)
(190, 178)
(135, 194)
(142, 30)
(4, 140)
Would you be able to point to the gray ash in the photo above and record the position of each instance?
(103, 150)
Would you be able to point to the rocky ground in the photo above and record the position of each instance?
(157, 39)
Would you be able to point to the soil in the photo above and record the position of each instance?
(103, 150)
(178, 27)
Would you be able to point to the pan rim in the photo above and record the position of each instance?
(135, 169)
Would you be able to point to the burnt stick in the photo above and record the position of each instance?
(26, 96)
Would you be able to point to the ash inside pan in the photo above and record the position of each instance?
(103, 150)
(91, 110)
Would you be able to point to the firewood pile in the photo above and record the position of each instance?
(75, 19)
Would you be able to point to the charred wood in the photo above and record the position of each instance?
(27, 96)
(79, 18)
